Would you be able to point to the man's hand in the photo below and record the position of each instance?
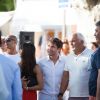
(24, 83)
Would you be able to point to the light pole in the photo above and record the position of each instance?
(64, 4)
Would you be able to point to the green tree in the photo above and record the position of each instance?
(7, 5)
(92, 3)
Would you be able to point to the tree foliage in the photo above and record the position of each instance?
(7, 5)
(92, 3)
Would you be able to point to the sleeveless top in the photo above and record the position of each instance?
(30, 77)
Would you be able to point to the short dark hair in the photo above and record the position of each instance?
(98, 23)
(65, 42)
(95, 44)
(56, 41)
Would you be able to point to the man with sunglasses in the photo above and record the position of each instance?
(12, 52)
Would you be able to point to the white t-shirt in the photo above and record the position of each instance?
(1, 52)
(78, 67)
(16, 57)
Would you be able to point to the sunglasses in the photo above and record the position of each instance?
(9, 40)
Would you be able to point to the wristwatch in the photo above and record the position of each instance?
(60, 94)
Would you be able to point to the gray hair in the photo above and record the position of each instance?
(81, 37)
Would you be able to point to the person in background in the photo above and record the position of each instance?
(94, 81)
(65, 47)
(11, 72)
(12, 52)
(32, 78)
(38, 48)
(65, 51)
(76, 71)
(94, 46)
(52, 68)
(3, 45)
(46, 36)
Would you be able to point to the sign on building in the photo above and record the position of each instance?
(63, 3)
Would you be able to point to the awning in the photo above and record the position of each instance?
(5, 17)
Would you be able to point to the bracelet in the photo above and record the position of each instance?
(26, 88)
(60, 94)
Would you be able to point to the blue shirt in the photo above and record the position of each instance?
(11, 73)
(3, 89)
(95, 63)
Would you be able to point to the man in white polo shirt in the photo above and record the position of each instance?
(76, 71)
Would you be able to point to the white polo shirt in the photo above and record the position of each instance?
(52, 75)
(78, 67)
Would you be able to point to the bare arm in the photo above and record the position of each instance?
(64, 83)
(39, 76)
(98, 86)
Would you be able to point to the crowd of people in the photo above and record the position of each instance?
(68, 66)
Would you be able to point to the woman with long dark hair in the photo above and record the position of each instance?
(31, 74)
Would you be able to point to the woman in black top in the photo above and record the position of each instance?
(32, 78)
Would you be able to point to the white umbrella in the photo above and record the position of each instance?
(5, 17)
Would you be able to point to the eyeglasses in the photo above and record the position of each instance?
(9, 40)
